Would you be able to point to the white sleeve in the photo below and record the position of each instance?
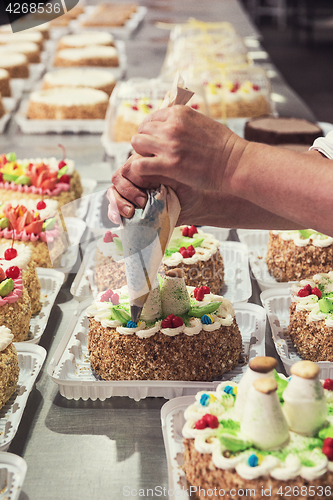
(324, 145)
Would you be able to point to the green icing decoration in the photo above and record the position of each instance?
(62, 171)
(231, 442)
(4, 222)
(326, 432)
(120, 314)
(6, 286)
(11, 157)
(230, 424)
(307, 463)
(24, 180)
(184, 241)
(9, 177)
(329, 409)
(306, 233)
(325, 305)
(282, 385)
(118, 244)
(49, 224)
(198, 311)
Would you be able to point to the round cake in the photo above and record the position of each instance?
(178, 336)
(94, 55)
(67, 103)
(80, 77)
(280, 130)
(109, 262)
(85, 39)
(311, 317)
(5, 90)
(29, 49)
(16, 64)
(15, 306)
(9, 366)
(293, 255)
(264, 437)
(198, 254)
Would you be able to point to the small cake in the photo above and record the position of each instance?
(29, 49)
(9, 366)
(21, 25)
(67, 103)
(280, 130)
(265, 435)
(16, 64)
(236, 100)
(5, 90)
(22, 37)
(2, 108)
(21, 256)
(198, 254)
(33, 178)
(15, 306)
(293, 255)
(311, 317)
(110, 15)
(85, 39)
(80, 77)
(110, 264)
(178, 336)
(93, 55)
(35, 224)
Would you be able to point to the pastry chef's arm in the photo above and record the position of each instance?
(227, 174)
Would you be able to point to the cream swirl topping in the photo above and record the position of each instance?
(316, 239)
(6, 337)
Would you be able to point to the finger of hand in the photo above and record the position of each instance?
(129, 191)
(146, 145)
(160, 115)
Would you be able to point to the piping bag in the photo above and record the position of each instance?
(147, 233)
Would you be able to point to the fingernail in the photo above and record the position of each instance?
(127, 209)
(140, 201)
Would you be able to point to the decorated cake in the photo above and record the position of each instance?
(198, 254)
(92, 55)
(110, 14)
(33, 178)
(98, 79)
(281, 130)
(182, 334)
(266, 435)
(5, 90)
(67, 103)
(9, 366)
(29, 49)
(311, 317)
(16, 64)
(22, 37)
(86, 38)
(110, 264)
(293, 255)
(21, 256)
(35, 224)
(15, 305)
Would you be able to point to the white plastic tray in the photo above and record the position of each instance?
(36, 71)
(3, 122)
(75, 229)
(88, 185)
(51, 282)
(237, 286)
(31, 358)
(16, 87)
(70, 366)
(12, 473)
(257, 241)
(277, 303)
(122, 32)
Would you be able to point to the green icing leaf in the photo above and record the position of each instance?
(118, 244)
(325, 305)
(307, 463)
(306, 233)
(198, 311)
(282, 385)
(326, 432)
(230, 424)
(120, 315)
(184, 241)
(9, 177)
(49, 224)
(62, 171)
(11, 157)
(24, 180)
(4, 222)
(231, 442)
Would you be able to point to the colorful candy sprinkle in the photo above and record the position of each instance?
(229, 389)
(204, 399)
(206, 320)
(253, 460)
(131, 324)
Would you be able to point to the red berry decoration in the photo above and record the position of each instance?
(199, 294)
(2, 274)
(186, 254)
(200, 424)
(10, 253)
(41, 205)
(255, 87)
(190, 250)
(185, 231)
(65, 179)
(135, 108)
(328, 448)
(194, 106)
(316, 291)
(328, 384)
(177, 321)
(191, 231)
(106, 297)
(172, 321)
(62, 163)
(167, 323)
(115, 299)
(308, 287)
(206, 289)
(303, 292)
(13, 272)
(211, 420)
(108, 237)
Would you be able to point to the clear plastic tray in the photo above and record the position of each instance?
(51, 282)
(257, 241)
(12, 473)
(11, 103)
(3, 122)
(277, 303)
(31, 358)
(88, 186)
(36, 72)
(75, 229)
(121, 32)
(70, 365)
(237, 286)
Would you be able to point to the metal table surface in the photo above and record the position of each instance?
(89, 450)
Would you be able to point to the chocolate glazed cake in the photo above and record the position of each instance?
(274, 130)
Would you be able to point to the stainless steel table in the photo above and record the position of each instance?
(77, 450)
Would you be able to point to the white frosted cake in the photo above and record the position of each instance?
(29, 49)
(65, 103)
(85, 39)
(15, 63)
(32, 36)
(5, 90)
(9, 366)
(80, 77)
(94, 55)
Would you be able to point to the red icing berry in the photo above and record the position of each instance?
(200, 424)
(255, 87)
(303, 292)
(308, 287)
(10, 253)
(2, 274)
(149, 106)
(115, 299)
(41, 205)
(186, 254)
(108, 237)
(328, 448)
(172, 321)
(182, 249)
(206, 289)
(199, 294)
(4, 160)
(218, 85)
(13, 272)
(65, 178)
(1, 178)
(191, 231)
(211, 421)
(135, 108)
(106, 297)
(61, 164)
(316, 291)
(328, 384)
(194, 106)
(177, 321)
(167, 323)
(185, 231)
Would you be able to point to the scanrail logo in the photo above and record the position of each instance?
(26, 14)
